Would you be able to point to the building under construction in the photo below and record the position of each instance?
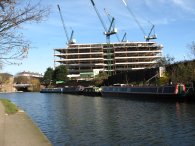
(87, 60)
(84, 61)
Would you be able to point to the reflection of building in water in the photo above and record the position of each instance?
(89, 59)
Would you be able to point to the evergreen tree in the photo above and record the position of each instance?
(47, 78)
(99, 79)
(60, 73)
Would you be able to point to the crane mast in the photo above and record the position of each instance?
(108, 32)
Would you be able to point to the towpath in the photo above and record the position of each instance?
(19, 130)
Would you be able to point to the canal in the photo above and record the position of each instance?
(81, 120)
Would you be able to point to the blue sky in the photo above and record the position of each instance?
(174, 22)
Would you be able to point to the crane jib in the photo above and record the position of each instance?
(92, 2)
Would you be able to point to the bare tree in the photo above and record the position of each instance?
(166, 60)
(192, 49)
(14, 13)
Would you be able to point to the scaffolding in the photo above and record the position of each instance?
(123, 56)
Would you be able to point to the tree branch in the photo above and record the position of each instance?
(13, 14)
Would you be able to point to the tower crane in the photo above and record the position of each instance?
(124, 38)
(147, 37)
(108, 32)
(109, 18)
(150, 37)
(70, 39)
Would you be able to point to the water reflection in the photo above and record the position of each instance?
(82, 120)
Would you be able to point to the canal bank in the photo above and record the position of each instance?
(19, 130)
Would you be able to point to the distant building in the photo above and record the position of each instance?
(87, 60)
(29, 74)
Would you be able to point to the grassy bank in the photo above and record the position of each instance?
(10, 108)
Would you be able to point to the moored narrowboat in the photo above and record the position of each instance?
(158, 93)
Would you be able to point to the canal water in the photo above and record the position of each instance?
(81, 120)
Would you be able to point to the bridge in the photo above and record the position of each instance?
(22, 87)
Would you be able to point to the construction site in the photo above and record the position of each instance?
(85, 61)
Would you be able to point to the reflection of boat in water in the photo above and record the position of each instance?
(158, 93)
(52, 90)
(88, 91)
(70, 90)
(91, 91)
(65, 90)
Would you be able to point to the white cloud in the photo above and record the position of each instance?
(187, 5)
(165, 11)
